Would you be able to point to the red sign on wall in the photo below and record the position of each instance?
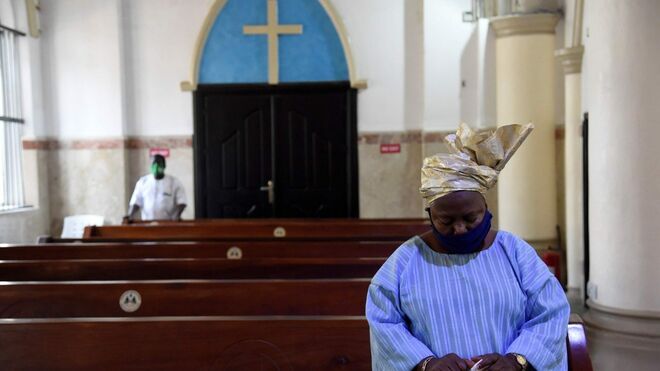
(165, 152)
(390, 148)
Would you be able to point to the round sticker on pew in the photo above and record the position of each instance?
(234, 252)
(130, 301)
(279, 232)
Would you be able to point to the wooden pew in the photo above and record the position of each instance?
(576, 342)
(262, 229)
(187, 268)
(260, 220)
(186, 343)
(184, 298)
(210, 343)
(216, 249)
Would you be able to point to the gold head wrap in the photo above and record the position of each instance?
(474, 162)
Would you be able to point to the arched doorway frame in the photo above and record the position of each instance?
(216, 9)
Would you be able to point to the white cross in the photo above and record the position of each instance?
(273, 30)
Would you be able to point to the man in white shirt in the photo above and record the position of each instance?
(157, 196)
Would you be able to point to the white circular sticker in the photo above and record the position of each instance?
(130, 301)
(234, 252)
(279, 232)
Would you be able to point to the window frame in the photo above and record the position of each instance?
(12, 193)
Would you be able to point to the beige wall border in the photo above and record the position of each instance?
(525, 24)
(390, 137)
(185, 141)
(214, 12)
(49, 144)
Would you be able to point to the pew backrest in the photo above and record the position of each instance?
(214, 249)
(186, 343)
(264, 229)
(187, 268)
(183, 298)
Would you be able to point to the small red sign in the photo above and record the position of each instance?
(390, 148)
(165, 152)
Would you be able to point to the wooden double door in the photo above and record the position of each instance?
(276, 151)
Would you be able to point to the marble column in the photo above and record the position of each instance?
(525, 75)
(571, 60)
(621, 90)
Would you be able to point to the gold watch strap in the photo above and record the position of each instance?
(521, 360)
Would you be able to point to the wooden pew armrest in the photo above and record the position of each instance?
(576, 344)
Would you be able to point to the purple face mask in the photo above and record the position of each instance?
(465, 243)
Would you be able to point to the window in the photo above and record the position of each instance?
(11, 122)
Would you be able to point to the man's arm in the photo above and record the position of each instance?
(179, 210)
(133, 211)
(135, 201)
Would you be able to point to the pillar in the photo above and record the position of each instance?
(525, 75)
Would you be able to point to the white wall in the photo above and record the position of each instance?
(477, 74)
(81, 68)
(376, 32)
(158, 44)
(413, 100)
(7, 15)
(445, 36)
(113, 67)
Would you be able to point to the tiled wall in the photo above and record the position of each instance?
(389, 182)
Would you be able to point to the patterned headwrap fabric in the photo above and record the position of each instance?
(474, 162)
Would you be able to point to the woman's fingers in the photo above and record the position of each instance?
(487, 360)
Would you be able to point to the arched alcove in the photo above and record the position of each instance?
(226, 54)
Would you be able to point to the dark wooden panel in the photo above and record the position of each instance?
(313, 151)
(249, 250)
(185, 298)
(200, 343)
(303, 137)
(236, 149)
(211, 268)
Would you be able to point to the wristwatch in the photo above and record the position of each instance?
(521, 360)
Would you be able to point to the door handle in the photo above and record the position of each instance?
(271, 191)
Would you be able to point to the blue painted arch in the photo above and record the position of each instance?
(229, 56)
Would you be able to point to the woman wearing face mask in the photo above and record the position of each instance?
(463, 295)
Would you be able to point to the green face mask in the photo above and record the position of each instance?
(157, 170)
